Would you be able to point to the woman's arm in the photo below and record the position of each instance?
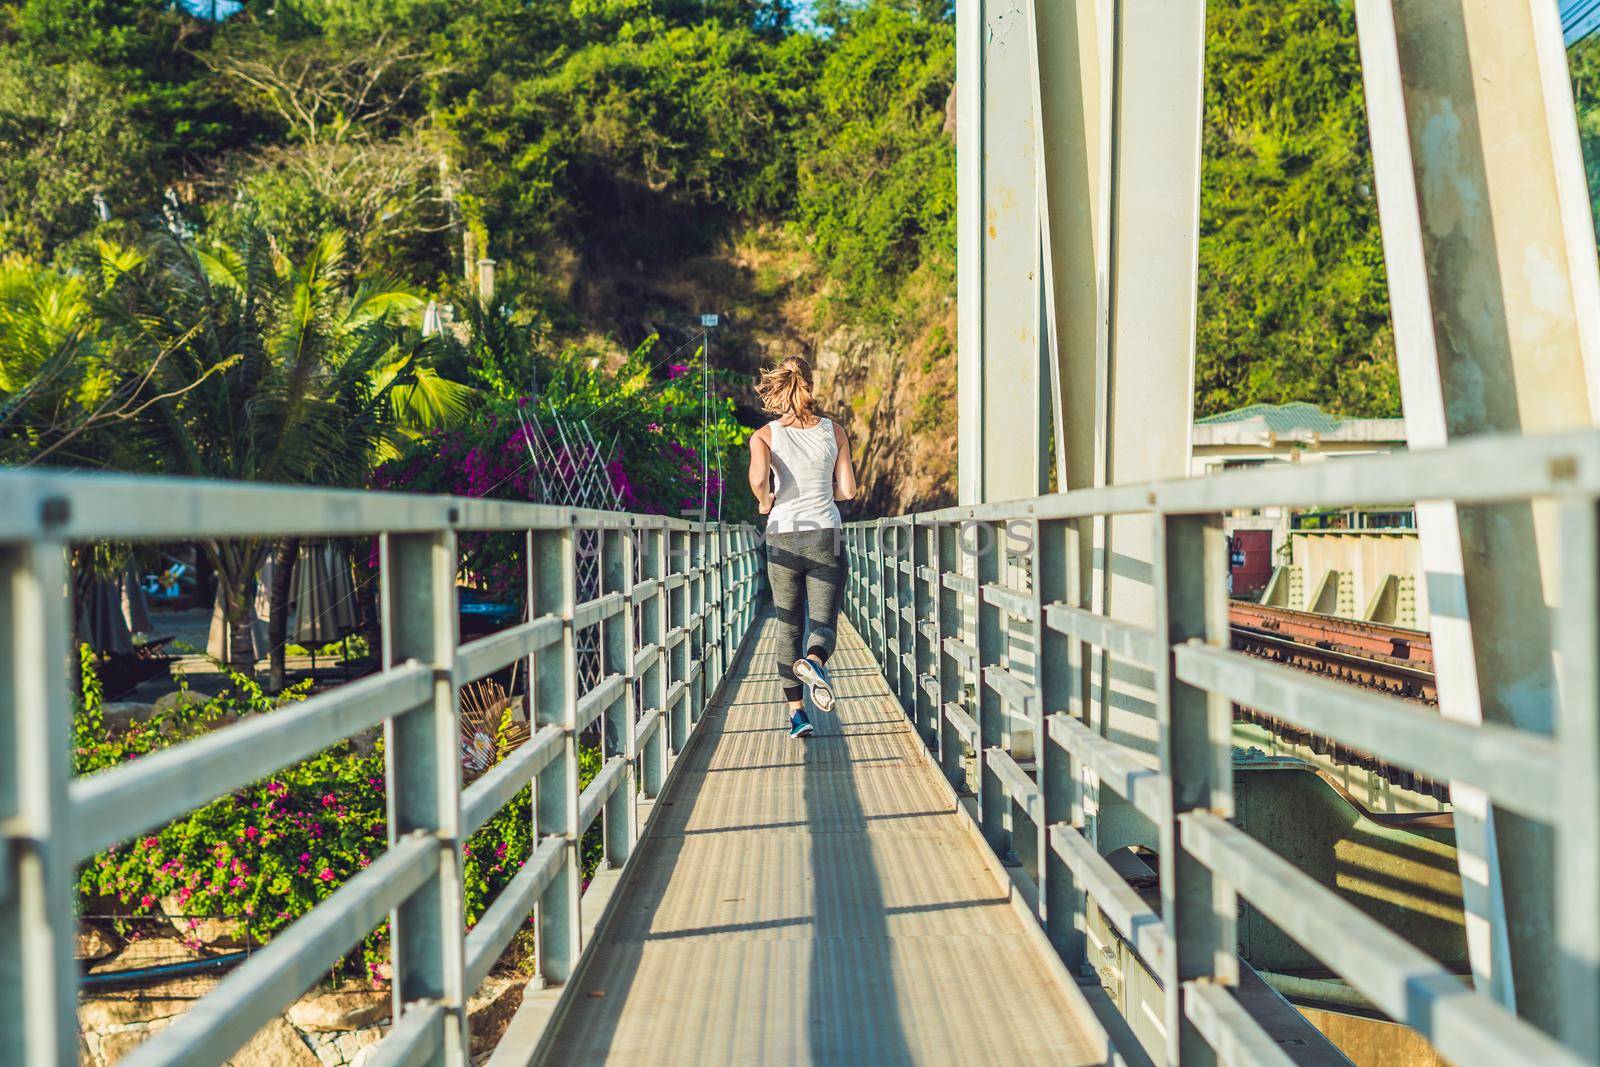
(844, 470)
(761, 470)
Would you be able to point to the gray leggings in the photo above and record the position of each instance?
(804, 564)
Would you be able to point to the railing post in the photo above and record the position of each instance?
(554, 591)
(653, 685)
(616, 657)
(1196, 746)
(925, 708)
(678, 655)
(988, 637)
(1055, 580)
(886, 604)
(718, 654)
(947, 620)
(422, 750)
(853, 599)
(696, 642)
(906, 604)
(1577, 873)
(892, 647)
(38, 978)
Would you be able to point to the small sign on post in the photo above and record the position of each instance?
(708, 321)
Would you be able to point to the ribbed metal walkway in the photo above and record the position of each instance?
(815, 902)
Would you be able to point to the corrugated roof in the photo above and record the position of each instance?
(1296, 417)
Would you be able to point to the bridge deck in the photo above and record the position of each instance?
(815, 902)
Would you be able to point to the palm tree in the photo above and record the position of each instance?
(275, 371)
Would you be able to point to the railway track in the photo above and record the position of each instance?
(1372, 655)
(1390, 659)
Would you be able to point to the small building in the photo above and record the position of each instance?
(1298, 432)
(1276, 543)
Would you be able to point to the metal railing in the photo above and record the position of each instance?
(927, 592)
(677, 599)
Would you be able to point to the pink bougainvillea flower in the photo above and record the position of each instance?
(325, 874)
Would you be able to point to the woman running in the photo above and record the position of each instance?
(808, 459)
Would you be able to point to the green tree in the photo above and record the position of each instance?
(876, 189)
(67, 134)
(1293, 300)
(298, 366)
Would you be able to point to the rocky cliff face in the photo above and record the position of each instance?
(891, 384)
(896, 400)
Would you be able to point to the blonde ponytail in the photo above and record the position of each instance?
(786, 390)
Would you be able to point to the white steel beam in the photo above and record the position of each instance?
(1490, 251)
(1004, 427)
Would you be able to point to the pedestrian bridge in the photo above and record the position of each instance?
(913, 885)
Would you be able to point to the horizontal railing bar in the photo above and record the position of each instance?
(645, 658)
(676, 692)
(674, 581)
(908, 613)
(480, 513)
(960, 583)
(1118, 638)
(904, 566)
(1484, 470)
(962, 652)
(1022, 790)
(75, 505)
(415, 1039)
(1121, 903)
(907, 660)
(674, 635)
(597, 701)
(115, 804)
(1510, 765)
(592, 612)
(480, 658)
(928, 574)
(490, 793)
(644, 589)
(1143, 787)
(1013, 690)
(94, 506)
(1237, 1038)
(599, 790)
(1009, 600)
(648, 724)
(222, 1021)
(964, 724)
(501, 921)
(928, 630)
(1400, 980)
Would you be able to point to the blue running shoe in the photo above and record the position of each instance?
(816, 679)
(799, 725)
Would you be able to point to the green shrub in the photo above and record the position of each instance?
(269, 852)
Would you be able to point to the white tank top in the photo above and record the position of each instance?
(803, 462)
